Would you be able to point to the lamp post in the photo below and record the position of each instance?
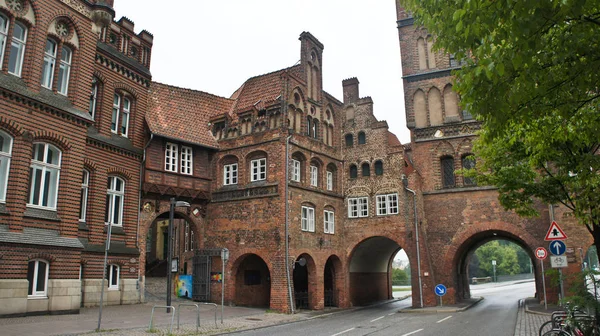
(174, 203)
(494, 267)
(224, 259)
(405, 184)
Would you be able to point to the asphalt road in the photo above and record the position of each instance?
(496, 315)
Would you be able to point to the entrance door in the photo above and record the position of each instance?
(201, 282)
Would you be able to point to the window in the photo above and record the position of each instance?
(45, 173)
(93, 97)
(362, 138)
(378, 167)
(64, 71)
(171, 157)
(37, 275)
(120, 115)
(387, 204)
(366, 169)
(353, 171)
(5, 156)
(17, 49)
(186, 234)
(49, 64)
(349, 140)
(258, 170)
(85, 183)
(295, 176)
(314, 176)
(447, 164)
(328, 222)
(186, 160)
(308, 219)
(358, 207)
(230, 174)
(314, 130)
(112, 275)
(329, 181)
(468, 162)
(114, 201)
(309, 125)
(3, 36)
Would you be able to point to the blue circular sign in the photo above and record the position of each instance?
(557, 247)
(440, 290)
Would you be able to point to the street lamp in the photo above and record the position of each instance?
(174, 203)
(224, 259)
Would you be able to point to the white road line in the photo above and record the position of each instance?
(444, 319)
(379, 318)
(343, 332)
(390, 314)
(412, 332)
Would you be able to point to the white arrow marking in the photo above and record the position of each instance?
(556, 246)
(441, 290)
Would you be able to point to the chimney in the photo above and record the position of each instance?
(350, 86)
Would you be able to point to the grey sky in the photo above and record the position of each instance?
(214, 46)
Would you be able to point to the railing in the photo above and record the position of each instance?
(197, 313)
(172, 317)
(301, 300)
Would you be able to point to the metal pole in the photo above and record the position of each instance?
(544, 285)
(417, 243)
(106, 248)
(222, 284)
(169, 254)
(287, 222)
(495, 279)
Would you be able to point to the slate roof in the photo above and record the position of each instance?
(183, 114)
(37, 236)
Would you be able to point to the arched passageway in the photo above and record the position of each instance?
(304, 282)
(252, 281)
(182, 245)
(369, 270)
(333, 281)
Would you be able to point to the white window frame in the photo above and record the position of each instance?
(308, 219)
(230, 174)
(18, 46)
(112, 195)
(258, 169)
(314, 176)
(295, 175)
(329, 180)
(112, 276)
(5, 158)
(49, 63)
(358, 207)
(171, 157)
(3, 36)
(93, 98)
(387, 204)
(186, 160)
(45, 168)
(116, 110)
(64, 71)
(34, 292)
(328, 221)
(125, 117)
(85, 183)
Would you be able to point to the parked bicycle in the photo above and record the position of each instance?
(570, 322)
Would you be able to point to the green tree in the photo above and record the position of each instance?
(505, 256)
(531, 76)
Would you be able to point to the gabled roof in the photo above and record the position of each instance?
(393, 139)
(183, 114)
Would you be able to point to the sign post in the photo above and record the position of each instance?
(556, 236)
(541, 254)
(440, 290)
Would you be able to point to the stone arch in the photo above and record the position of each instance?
(305, 280)
(73, 37)
(252, 280)
(434, 100)
(450, 103)
(57, 140)
(333, 281)
(420, 109)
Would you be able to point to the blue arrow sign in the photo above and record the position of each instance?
(557, 247)
(440, 290)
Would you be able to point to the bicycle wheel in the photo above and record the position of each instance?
(547, 326)
(556, 332)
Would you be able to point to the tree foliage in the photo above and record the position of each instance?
(505, 255)
(531, 76)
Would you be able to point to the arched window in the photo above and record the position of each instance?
(83, 200)
(468, 162)
(353, 171)
(447, 165)
(366, 169)
(94, 97)
(45, 174)
(421, 53)
(17, 49)
(331, 177)
(314, 173)
(430, 53)
(64, 71)
(3, 36)
(296, 167)
(37, 276)
(450, 102)
(349, 140)
(115, 195)
(6, 142)
(329, 220)
(420, 109)
(378, 167)
(309, 125)
(120, 114)
(362, 138)
(49, 63)
(230, 170)
(315, 129)
(435, 107)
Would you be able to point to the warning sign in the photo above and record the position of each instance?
(555, 232)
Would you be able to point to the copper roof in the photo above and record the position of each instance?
(183, 114)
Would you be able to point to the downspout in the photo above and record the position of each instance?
(137, 239)
(287, 222)
(405, 182)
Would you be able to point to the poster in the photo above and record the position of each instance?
(183, 285)
(215, 277)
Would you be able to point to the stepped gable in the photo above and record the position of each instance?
(184, 114)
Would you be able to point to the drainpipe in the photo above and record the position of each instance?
(405, 183)
(137, 236)
(287, 222)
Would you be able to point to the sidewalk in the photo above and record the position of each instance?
(531, 316)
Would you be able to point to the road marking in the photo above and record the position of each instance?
(379, 318)
(390, 314)
(319, 316)
(410, 333)
(343, 332)
(444, 319)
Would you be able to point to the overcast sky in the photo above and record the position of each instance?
(214, 46)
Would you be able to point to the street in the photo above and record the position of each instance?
(495, 315)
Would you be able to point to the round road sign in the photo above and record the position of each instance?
(541, 253)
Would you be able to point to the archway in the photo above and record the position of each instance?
(369, 270)
(333, 281)
(183, 242)
(252, 281)
(304, 285)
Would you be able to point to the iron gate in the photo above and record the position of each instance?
(201, 272)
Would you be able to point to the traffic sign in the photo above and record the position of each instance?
(557, 247)
(558, 261)
(541, 253)
(555, 232)
(440, 290)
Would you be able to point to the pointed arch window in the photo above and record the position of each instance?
(349, 140)
(447, 165)
(362, 138)
(353, 171)
(366, 169)
(468, 162)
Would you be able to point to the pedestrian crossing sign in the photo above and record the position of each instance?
(555, 232)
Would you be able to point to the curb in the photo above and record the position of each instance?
(440, 310)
